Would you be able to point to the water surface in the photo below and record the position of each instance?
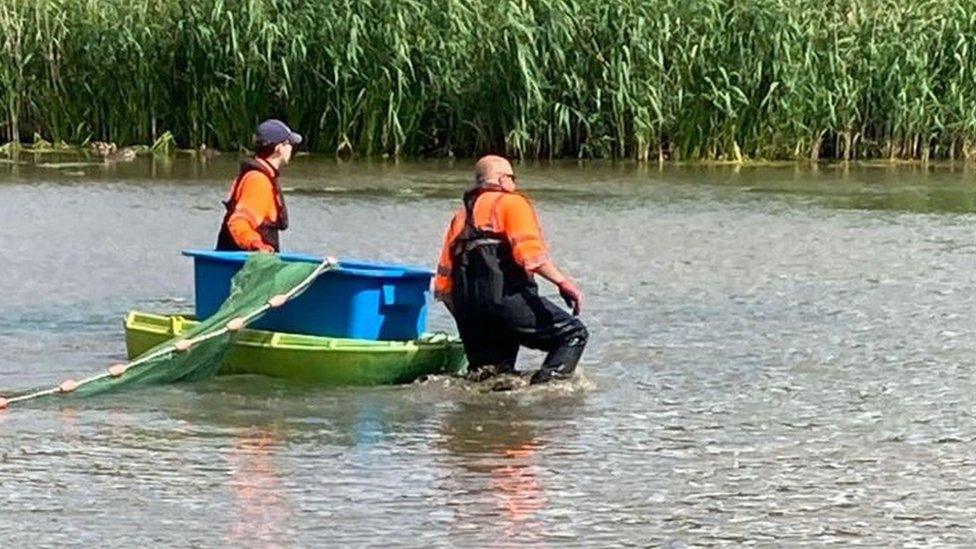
(779, 355)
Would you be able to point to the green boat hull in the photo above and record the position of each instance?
(314, 359)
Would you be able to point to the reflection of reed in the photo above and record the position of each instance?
(260, 509)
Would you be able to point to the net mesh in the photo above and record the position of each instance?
(263, 277)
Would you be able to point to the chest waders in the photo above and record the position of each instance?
(484, 268)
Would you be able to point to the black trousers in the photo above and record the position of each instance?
(492, 334)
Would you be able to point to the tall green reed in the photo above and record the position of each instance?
(645, 79)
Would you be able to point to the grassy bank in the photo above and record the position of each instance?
(649, 79)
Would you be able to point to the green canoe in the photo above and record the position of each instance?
(322, 360)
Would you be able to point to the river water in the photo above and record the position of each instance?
(779, 355)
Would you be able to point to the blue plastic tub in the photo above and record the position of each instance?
(357, 300)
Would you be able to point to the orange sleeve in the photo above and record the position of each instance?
(255, 204)
(521, 225)
(442, 279)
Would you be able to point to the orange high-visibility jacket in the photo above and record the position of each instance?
(506, 213)
(256, 205)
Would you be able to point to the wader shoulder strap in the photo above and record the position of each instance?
(471, 198)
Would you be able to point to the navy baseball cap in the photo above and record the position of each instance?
(272, 132)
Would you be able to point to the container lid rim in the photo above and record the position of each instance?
(360, 268)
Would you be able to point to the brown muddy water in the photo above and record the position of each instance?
(779, 356)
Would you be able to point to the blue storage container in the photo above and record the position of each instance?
(357, 300)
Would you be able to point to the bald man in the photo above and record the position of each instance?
(485, 276)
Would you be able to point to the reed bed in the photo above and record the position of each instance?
(644, 79)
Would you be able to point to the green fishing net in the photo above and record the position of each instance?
(262, 277)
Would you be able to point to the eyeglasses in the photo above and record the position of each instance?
(481, 181)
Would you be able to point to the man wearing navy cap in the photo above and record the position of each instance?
(256, 211)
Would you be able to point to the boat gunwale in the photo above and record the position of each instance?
(164, 325)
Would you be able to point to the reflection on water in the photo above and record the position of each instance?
(498, 457)
(260, 507)
(779, 355)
